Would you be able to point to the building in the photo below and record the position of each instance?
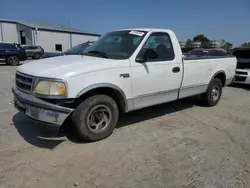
(211, 44)
(196, 44)
(193, 44)
(182, 44)
(214, 44)
(50, 37)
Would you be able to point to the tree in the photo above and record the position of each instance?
(227, 46)
(188, 43)
(222, 42)
(203, 39)
(246, 44)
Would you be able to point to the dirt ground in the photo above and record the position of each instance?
(175, 145)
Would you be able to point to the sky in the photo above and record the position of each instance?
(217, 19)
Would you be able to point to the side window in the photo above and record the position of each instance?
(27, 47)
(30, 48)
(159, 46)
(10, 47)
(58, 47)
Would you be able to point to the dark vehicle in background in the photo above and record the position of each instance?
(76, 50)
(198, 52)
(35, 52)
(243, 65)
(243, 57)
(12, 53)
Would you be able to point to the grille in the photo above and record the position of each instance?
(24, 82)
(240, 79)
(240, 72)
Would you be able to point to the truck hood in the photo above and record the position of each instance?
(67, 66)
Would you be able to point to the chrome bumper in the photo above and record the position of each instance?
(40, 110)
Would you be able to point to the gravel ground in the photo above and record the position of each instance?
(175, 145)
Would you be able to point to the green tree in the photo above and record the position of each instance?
(203, 39)
(222, 42)
(227, 46)
(188, 43)
(246, 44)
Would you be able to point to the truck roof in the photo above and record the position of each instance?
(146, 29)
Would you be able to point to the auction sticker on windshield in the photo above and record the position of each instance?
(138, 33)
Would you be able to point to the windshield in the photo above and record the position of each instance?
(116, 45)
(78, 49)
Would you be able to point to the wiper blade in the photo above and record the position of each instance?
(103, 54)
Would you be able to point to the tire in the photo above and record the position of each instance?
(13, 60)
(213, 93)
(36, 56)
(97, 110)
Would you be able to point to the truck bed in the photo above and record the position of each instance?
(206, 57)
(199, 70)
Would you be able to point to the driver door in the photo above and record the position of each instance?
(157, 79)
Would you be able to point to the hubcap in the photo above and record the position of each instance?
(13, 60)
(215, 93)
(99, 118)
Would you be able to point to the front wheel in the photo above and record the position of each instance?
(12, 60)
(213, 94)
(95, 118)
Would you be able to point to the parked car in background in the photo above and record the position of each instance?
(124, 70)
(243, 65)
(78, 49)
(35, 52)
(12, 53)
(206, 52)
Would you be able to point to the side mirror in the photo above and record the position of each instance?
(143, 56)
(140, 59)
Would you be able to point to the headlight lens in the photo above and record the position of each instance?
(53, 88)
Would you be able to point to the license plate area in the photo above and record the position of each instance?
(19, 105)
(42, 114)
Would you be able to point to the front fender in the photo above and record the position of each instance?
(101, 85)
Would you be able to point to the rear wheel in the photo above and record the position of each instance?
(213, 94)
(95, 118)
(13, 60)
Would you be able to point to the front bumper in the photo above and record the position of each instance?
(40, 110)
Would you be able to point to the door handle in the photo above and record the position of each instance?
(176, 69)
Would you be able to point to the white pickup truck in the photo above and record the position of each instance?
(124, 70)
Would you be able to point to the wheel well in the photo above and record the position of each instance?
(222, 77)
(113, 93)
(7, 56)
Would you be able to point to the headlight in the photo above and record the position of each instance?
(53, 88)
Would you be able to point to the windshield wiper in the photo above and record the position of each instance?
(103, 54)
